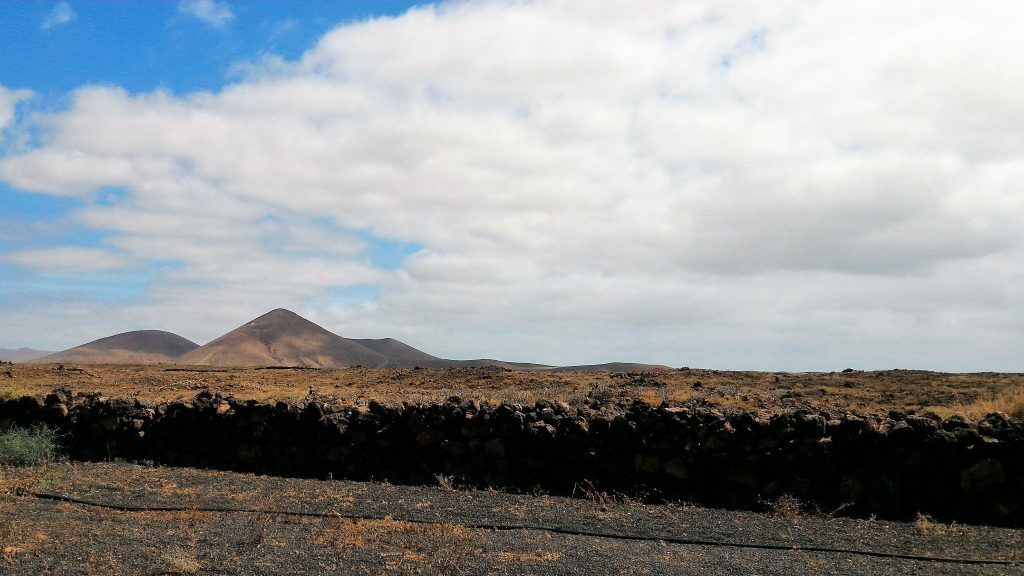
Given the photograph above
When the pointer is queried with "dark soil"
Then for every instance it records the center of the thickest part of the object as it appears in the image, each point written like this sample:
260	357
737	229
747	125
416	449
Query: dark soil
65	519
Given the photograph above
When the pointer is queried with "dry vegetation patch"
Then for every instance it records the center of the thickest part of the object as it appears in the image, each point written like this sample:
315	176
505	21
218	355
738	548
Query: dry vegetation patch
973	395
402	546
535	556
181	561
1009	400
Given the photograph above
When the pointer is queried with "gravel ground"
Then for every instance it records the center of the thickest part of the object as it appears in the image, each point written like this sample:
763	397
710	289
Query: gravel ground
126	519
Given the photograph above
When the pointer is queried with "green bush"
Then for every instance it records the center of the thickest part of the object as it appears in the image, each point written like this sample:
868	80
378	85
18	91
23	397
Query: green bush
28	446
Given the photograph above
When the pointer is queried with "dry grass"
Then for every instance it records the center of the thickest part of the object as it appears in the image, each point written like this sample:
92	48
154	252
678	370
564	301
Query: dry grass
1009	401
405	547
445	482
181	561
603	500
788	507
928	526
535	556
375	533
10	392
881	391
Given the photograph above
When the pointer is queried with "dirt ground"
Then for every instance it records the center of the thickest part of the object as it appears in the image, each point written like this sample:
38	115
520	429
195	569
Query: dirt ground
969	394
111	518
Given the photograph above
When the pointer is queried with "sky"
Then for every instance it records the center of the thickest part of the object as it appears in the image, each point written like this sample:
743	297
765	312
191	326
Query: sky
793	185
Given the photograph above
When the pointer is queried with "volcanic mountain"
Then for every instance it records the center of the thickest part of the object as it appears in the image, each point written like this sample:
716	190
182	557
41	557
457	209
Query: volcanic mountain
138	347
22	354
283	338
280	338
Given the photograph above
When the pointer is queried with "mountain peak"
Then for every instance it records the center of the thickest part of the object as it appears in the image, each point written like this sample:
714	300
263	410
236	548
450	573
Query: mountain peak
283	338
279	321
279	314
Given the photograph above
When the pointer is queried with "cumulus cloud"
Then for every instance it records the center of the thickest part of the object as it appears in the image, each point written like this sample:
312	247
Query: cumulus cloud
791	186
61	14
216	14
8	100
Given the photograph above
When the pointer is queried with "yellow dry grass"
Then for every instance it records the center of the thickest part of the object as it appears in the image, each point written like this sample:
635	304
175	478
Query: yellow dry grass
969	394
1009	401
374	533
535	556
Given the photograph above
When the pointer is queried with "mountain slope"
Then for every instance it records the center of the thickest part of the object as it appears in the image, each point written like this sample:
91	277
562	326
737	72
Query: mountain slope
401	355
283	338
136	347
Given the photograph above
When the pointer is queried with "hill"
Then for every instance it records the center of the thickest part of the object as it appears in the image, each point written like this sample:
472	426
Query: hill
22	354
401	355
612	367
136	347
283	338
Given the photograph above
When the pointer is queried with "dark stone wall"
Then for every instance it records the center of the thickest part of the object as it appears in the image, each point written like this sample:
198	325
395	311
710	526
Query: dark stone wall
890	466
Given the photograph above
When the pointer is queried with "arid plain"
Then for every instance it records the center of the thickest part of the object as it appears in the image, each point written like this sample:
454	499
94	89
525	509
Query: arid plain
972	395
281	356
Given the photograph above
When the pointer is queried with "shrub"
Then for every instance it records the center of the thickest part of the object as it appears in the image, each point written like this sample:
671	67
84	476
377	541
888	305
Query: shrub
28	446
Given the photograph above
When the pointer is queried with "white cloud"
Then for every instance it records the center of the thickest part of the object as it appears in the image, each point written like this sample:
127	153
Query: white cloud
805	185
69	259
8	100
61	14
216	14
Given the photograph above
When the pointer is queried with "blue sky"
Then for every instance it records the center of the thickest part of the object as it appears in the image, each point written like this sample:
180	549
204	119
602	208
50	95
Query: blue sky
748	185
140	47
147	46
144	46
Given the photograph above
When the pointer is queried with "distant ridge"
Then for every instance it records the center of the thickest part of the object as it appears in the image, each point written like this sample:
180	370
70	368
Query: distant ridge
400	355
283	338
22	354
611	367
137	347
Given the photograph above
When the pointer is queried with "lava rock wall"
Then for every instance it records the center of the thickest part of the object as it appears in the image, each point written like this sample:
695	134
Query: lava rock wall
892	466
